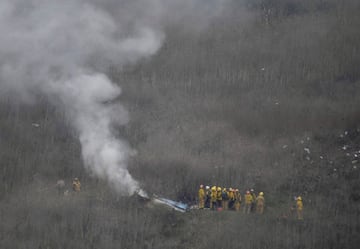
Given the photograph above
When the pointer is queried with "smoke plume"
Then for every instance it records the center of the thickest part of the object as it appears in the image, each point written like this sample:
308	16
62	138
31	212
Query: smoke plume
62	48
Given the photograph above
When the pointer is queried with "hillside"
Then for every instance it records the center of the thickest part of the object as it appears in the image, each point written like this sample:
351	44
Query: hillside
262	95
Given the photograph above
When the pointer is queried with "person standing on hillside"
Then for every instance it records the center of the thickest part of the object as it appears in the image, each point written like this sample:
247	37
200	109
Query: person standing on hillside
237	200
260	203
213	199
299	208
253	204
219	198
201	194
231	197
207	197
76	185
225	199
248	201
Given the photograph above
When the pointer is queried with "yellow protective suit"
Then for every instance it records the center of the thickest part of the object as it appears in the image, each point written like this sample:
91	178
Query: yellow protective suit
76	185
237	200
231	195
299	209
201	194
260	203
248	201
213	199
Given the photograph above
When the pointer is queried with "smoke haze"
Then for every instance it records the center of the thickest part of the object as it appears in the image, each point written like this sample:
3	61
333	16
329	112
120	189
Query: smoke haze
62	49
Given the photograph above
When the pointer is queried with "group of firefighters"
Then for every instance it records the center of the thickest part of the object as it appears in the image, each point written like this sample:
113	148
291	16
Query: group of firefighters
217	198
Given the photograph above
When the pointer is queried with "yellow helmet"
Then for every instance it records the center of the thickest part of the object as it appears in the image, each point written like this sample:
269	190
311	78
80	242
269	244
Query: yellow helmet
219	188
261	193
213	188
299	198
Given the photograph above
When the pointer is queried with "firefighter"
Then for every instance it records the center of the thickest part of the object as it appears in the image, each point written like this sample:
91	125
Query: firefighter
299	208
248	202
213	198
208	197
225	199
253	204
231	197
76	185
201	194
260	203
237	200
219	197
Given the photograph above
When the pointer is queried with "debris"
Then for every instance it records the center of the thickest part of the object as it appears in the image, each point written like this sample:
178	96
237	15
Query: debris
308	138
355	155
307	150
284	146
321	157
35	125
178	206
302	141
345	147
347	154
341	135
354	161
263	69
335	170
277	103
354	167
307	158
345	133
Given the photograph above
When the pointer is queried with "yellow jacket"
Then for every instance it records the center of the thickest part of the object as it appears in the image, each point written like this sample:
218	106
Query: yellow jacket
260	200
231	195
201	194
248	199
76	186
213	196
238	196
219	195
299	205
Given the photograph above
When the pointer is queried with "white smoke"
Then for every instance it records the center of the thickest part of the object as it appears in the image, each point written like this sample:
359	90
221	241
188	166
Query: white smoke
62	48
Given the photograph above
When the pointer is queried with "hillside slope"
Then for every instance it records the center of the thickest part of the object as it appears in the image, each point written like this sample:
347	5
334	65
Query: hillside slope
265	96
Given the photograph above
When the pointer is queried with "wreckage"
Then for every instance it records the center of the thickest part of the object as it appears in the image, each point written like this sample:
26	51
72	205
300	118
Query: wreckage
178	206
174	205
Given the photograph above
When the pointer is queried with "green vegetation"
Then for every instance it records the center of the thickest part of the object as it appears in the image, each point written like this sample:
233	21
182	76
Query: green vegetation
233	103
